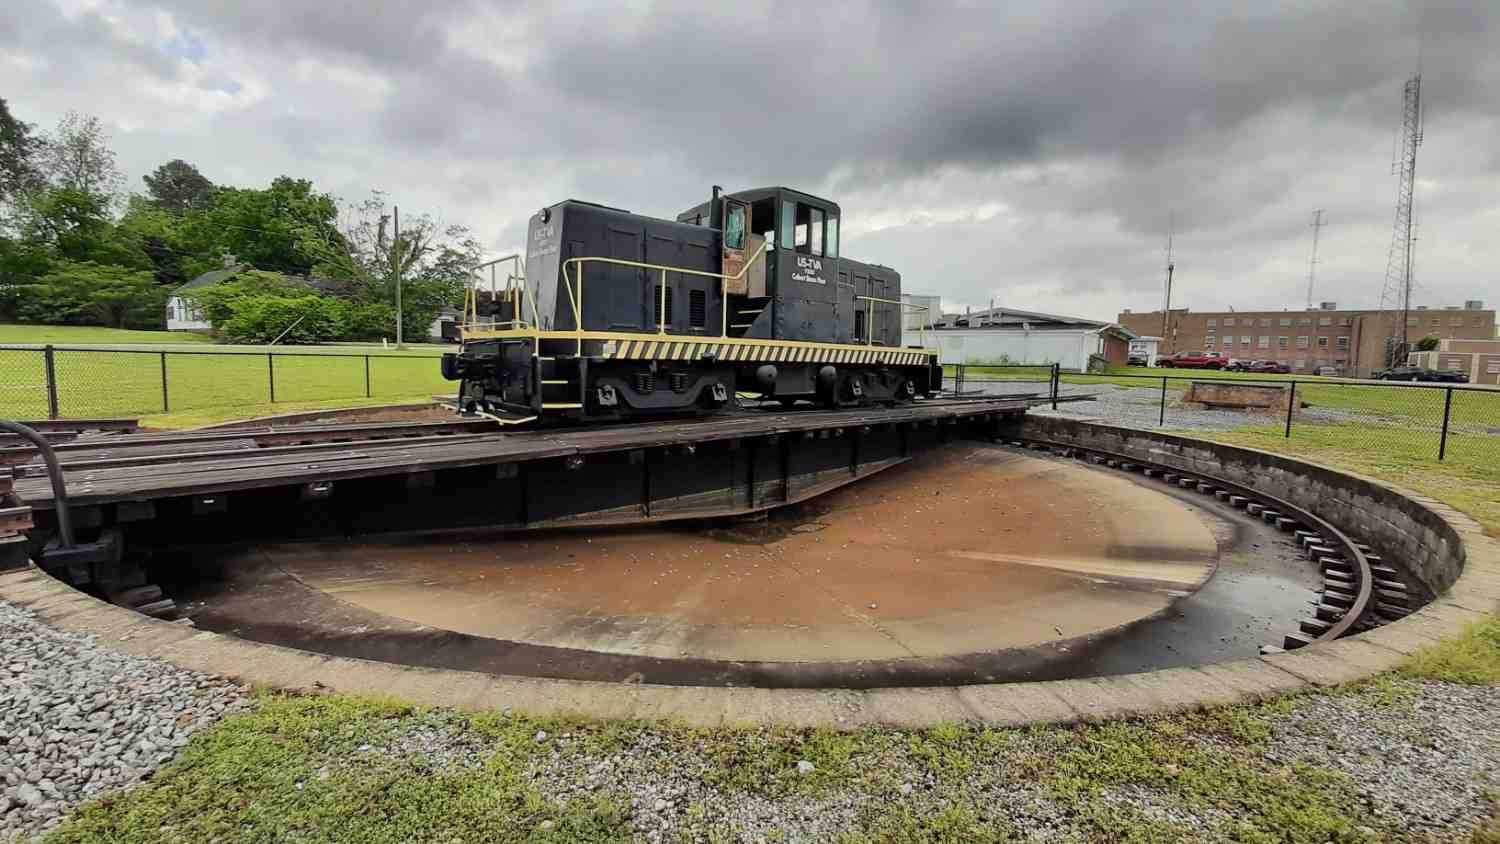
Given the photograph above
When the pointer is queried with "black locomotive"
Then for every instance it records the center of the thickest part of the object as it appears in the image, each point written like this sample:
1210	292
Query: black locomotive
622	315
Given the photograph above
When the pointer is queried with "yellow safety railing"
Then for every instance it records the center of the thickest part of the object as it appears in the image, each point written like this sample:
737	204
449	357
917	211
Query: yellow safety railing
870	318
575	302
515	292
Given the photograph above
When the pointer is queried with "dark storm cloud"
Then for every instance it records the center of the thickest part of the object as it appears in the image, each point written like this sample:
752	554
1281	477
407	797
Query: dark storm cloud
1085	120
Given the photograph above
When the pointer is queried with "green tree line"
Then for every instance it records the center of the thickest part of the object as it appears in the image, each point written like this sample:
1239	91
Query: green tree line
77	249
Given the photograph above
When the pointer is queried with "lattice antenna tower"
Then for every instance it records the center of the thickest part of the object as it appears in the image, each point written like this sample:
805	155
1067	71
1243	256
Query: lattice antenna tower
1312	263
1396	293
1166	308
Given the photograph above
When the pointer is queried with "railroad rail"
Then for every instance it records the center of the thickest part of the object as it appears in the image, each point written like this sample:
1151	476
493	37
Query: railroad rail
1359	590
152	466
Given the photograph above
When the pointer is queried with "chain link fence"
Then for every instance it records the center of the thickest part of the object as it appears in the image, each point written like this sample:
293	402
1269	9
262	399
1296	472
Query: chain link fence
63	382
1417	421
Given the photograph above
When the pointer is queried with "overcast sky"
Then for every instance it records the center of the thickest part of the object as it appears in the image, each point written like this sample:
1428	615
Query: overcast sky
1029	152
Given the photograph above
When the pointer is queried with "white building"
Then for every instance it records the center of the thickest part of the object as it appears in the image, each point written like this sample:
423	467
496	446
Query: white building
1006	336
185	315
1146	348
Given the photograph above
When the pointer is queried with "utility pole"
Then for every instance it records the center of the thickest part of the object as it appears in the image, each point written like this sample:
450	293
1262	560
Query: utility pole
396	268
1312	263
1166	310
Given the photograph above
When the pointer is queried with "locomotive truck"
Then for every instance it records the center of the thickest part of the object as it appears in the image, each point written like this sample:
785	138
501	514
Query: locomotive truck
620	315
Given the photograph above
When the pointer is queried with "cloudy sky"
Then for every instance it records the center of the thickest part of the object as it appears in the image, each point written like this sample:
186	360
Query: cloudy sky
1029	152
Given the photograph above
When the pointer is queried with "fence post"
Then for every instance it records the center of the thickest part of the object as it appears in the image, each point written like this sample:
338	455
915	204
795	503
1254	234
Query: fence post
51	365
1443	438
1056	381
271	370
165	405
1163	420
367	376
1291	402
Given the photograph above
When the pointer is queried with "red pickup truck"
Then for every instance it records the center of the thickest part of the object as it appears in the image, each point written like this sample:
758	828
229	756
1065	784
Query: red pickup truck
1193	360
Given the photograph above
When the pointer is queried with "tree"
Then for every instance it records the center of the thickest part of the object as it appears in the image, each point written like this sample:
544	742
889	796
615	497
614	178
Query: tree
269	229
77	156
1428	343
434	261
81	292
19	174
75	225
178	186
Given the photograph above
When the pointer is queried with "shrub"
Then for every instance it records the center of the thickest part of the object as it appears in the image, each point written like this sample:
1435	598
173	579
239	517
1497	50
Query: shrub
262	319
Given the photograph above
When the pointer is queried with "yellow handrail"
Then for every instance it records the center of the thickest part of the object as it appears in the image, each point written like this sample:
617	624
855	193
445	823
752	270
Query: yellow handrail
574	286
870	318
664	269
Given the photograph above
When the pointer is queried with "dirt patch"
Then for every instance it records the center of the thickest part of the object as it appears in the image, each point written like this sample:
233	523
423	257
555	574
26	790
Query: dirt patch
974	549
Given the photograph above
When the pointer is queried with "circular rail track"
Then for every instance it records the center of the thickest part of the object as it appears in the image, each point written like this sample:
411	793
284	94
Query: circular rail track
1359	591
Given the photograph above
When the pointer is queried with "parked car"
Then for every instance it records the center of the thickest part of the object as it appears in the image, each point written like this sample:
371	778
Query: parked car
1193	360
1421	373
1327	370
1270	366
1136	360
1237	365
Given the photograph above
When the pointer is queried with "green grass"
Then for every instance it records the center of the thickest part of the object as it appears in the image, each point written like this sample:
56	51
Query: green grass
89	335
125	383
1468	478
1472	659
294	769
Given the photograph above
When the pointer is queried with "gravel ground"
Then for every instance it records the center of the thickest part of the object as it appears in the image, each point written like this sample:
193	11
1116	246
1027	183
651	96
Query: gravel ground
78	720
1421	758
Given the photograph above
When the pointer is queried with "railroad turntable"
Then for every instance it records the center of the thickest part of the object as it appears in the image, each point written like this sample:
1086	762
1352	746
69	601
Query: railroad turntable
936	571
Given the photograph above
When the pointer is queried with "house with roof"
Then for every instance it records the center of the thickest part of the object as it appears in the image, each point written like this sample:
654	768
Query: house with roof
183	314
1008	335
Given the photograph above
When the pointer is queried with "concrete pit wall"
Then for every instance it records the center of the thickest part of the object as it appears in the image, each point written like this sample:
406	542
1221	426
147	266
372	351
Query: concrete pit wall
1398	528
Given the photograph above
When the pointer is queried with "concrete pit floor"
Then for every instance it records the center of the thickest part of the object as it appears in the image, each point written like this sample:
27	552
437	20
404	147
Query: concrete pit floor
978	563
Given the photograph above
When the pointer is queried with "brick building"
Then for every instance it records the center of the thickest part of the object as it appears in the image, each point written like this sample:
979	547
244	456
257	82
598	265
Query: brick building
1351	341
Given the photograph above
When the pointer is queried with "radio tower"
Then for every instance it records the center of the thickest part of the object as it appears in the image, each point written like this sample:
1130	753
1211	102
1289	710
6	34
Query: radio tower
1312	263
1398	268
1166	308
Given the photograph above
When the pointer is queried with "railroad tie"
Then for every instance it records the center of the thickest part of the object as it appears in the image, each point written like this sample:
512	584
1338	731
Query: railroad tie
1297	640
1315	626
1254	509
1328	612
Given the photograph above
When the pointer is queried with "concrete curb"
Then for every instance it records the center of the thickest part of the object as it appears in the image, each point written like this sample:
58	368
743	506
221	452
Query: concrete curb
1475	593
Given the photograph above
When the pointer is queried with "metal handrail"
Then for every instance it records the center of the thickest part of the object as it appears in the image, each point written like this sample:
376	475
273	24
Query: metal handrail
577	302
870	318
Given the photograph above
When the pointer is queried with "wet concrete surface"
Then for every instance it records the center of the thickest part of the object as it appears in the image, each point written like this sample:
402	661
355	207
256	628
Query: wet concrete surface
979	564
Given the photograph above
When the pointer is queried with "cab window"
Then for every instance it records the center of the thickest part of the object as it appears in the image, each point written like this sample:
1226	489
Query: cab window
734	227
807	233
831	240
